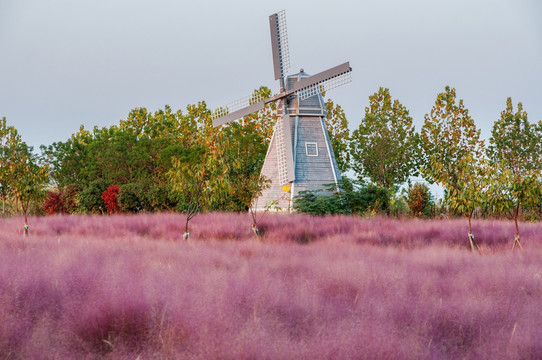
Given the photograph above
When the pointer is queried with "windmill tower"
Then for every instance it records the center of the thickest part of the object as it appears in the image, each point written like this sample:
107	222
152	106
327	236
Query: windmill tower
300	156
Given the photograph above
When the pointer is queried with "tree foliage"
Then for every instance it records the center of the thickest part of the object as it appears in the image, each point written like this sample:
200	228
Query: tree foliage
111	199
90	198
143	150
383	147
339	134
10	143
192	184
515	155
449	141
419	200
175	160
354	198
453	154
53	204
30	179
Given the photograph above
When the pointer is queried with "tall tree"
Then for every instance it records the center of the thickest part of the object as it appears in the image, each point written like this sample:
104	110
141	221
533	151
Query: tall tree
515	153
10	141
384	146
339	134
242	149
471	191
448	138
452	153
198	185
197	182
30	179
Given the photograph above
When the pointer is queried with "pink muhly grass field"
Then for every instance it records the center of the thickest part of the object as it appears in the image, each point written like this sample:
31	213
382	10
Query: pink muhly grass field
313	288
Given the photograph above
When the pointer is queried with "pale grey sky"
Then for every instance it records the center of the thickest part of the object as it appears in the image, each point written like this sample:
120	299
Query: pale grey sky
64	63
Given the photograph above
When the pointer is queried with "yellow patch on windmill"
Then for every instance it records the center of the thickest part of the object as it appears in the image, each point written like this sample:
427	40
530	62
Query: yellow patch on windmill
286	188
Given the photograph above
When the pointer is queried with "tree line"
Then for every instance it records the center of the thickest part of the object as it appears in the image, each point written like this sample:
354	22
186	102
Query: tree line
176	161
499	179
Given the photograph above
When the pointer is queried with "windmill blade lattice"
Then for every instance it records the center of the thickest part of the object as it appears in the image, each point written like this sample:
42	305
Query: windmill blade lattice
237	105
324	86
279	44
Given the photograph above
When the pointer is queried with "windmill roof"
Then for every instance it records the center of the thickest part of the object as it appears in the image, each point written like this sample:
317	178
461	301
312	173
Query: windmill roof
301	73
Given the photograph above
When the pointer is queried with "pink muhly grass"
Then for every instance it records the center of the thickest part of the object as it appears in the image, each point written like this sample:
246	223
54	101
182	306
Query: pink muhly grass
126	287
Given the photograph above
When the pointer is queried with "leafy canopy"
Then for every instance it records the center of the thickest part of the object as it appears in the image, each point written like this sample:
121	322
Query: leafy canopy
515	155
384	146
449	141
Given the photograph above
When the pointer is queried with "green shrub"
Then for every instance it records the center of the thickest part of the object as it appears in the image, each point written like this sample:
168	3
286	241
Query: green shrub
354	198
311	202
129	198
90	198
159	197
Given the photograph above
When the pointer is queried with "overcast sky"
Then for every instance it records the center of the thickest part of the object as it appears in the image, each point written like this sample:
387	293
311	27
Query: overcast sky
66	63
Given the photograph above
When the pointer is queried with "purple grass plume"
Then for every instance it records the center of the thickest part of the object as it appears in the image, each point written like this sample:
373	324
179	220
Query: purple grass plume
127	287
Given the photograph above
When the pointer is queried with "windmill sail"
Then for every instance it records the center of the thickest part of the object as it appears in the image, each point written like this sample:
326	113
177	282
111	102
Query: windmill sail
279	44
324	81
236	114
305	88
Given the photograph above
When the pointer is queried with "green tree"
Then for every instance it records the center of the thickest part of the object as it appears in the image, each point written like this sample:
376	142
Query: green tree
10	141
339	134
471	192
515	155
264	120
90	198
143	149
70	162
449	140
242	149
197	185
383	147
129	198
29	179
193	181
452	154
137	151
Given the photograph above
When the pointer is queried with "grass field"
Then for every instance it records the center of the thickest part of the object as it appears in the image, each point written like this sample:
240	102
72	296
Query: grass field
127	287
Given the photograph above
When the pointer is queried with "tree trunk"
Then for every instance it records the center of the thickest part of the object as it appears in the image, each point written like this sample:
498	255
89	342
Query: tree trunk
473	244
25	208
516	237
186	235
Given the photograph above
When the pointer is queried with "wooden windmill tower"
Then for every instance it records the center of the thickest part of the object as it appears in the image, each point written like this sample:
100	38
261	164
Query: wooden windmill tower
300	156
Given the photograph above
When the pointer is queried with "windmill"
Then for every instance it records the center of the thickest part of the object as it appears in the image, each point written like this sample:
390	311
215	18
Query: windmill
300	156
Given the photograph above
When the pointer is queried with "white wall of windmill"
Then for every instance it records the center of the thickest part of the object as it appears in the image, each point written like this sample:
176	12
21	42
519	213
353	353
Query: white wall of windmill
276	193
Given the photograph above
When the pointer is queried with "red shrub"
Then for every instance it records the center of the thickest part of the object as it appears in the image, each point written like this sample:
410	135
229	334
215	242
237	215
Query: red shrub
111	198
53	204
